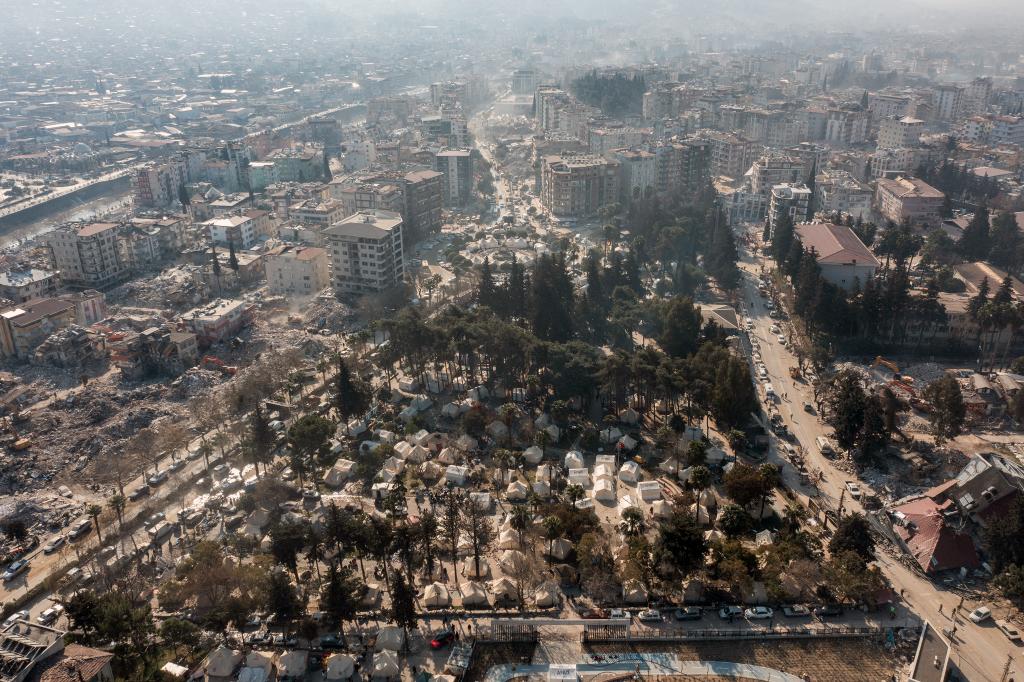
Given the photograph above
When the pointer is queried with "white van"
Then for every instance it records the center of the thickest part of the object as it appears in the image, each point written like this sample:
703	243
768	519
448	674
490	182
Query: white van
824	446
160	531
769	392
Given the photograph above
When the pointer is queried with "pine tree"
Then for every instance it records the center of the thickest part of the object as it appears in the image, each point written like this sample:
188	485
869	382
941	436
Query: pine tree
974	243
216	262
487	292
232	258
183	196
975	305
782	237
327	167
864	101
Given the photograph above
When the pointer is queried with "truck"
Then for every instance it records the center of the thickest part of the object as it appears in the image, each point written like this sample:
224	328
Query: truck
160	531
824	446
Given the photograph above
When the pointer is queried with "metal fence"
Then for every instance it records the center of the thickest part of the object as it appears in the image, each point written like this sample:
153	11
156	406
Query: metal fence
601	635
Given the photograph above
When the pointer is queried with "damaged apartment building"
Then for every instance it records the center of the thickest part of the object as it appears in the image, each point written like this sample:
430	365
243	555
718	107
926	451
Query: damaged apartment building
153	351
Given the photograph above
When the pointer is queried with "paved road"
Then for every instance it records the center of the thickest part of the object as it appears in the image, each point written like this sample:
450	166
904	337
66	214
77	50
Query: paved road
980	650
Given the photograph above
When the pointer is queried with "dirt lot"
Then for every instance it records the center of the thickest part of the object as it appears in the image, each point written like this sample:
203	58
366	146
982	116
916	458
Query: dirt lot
834	660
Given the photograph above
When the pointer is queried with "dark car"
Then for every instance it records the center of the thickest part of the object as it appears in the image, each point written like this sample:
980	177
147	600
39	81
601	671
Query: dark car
828	611
689	613
138	493
442	638
796	611
332	640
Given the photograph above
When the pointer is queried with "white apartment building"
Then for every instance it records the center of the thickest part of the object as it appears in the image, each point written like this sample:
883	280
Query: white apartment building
895	133
239	230
788	199
838	191
297	270
87	255
20	285
366	252
947	101
638	171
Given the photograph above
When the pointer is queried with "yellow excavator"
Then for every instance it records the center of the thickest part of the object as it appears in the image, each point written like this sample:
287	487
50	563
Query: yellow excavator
879	360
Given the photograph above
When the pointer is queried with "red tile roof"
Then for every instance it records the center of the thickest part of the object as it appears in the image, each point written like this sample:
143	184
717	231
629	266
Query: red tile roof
935	546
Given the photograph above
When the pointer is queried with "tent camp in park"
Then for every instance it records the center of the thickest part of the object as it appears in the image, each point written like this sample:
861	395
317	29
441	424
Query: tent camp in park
629	416
533	454
634	593
610	435
580	477
511	560
293	665
560	549
517	491
604	490
391	638
509	539
456	475
541	487
649	490
546	596
573	460
436	596
630	472
339	667
385	664
476	570
604	471
504	589
222	662
473	594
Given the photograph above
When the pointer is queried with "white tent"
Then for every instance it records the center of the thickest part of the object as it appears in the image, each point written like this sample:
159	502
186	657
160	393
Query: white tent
466	442
628	442
541	487
604	471
546	472
339	667
560	548
338	473
408	414
292	665
629	416
479	394
473	594
546	596
385	436
701	514
533	454
604	490
610	435
436	595
482	499
542	421
669	466
625	502
634	593
408	384
585	503
430	471
504	589
421	402
553	431
662	509
471	569
715	455
508	539
390	637
447	456
573	460
605	459
355	428
580	477
649	490
394	465
511	560
517	490
456	475
418	454
385	664
630	472
403	448
764	538
451	410
372	595
497	430
419	437
222	662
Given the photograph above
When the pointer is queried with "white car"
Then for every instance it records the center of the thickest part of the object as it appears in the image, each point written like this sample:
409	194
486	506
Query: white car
15	617
1012	633
50	615
758	613
54	544
854	489
774	329
782	339
980	614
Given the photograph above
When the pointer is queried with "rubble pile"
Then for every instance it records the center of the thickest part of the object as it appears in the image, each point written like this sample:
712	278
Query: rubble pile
328	314
924	373
196	381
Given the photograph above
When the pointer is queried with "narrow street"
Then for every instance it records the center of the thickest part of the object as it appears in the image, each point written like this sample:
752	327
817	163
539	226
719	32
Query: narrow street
980	651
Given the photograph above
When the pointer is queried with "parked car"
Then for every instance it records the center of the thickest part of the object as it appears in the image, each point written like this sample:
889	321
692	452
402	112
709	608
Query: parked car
649	616
594	613
758	613
138	493
157	478
782	339
14	570
14	617
808	408
54	544
727	612
50	615
618	613
828	611
689	613
1011	632
980	614
854	489
154	519
176	465
442	638
80	528
332	640
796	611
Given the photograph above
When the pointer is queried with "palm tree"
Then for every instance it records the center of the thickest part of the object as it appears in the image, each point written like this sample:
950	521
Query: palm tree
700	479
117	504
633	523
520	521
94	510
769	475
552	530
574	492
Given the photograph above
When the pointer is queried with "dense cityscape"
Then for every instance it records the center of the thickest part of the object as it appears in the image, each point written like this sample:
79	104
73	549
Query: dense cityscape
568	341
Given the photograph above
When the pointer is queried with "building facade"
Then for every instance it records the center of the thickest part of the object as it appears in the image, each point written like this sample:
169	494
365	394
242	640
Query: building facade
904	198
366	252
87	255
577	185
297	270
456	165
